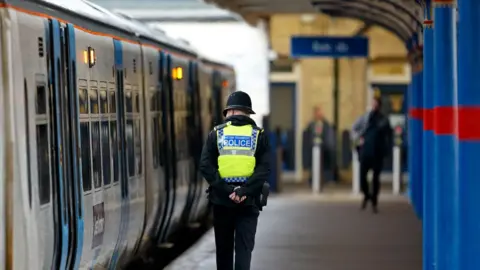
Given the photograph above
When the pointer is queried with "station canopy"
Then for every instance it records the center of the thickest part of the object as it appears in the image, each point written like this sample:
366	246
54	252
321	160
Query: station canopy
404	18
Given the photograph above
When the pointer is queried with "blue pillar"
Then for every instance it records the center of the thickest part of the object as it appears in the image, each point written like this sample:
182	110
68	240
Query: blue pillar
411	138
418	121
444	85
468	135
429	236
414	130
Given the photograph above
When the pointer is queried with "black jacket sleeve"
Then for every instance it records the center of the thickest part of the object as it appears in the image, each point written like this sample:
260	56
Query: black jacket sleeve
253	186
209	165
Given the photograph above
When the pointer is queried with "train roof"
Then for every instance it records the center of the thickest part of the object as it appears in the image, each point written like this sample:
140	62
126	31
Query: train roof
121	22
157	34
124	23
214	62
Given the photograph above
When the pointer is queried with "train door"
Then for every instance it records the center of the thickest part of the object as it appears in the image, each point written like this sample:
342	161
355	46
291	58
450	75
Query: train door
3	195
57	118
168	145
160	134
217	98
66	176
73	183
120	149
194	139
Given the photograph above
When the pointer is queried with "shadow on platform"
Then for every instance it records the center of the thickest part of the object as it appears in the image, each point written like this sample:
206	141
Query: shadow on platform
328	232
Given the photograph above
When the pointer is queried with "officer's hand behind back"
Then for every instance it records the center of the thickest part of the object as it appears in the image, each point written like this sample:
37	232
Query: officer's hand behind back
237	199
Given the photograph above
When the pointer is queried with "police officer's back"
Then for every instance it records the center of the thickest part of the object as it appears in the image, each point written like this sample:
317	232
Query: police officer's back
235	162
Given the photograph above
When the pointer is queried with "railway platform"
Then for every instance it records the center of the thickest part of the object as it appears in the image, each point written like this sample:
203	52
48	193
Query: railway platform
305	232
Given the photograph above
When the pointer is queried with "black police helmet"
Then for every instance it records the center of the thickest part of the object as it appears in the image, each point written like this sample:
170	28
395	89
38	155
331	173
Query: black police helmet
239	100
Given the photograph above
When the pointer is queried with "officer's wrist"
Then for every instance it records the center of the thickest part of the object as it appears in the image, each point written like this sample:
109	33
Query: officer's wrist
240	192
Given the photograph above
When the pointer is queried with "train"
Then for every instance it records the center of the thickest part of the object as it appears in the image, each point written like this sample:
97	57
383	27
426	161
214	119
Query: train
102	124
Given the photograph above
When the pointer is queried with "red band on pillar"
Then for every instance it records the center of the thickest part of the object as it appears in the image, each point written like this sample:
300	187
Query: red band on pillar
468	123
443	1
444	120
416	113
428	123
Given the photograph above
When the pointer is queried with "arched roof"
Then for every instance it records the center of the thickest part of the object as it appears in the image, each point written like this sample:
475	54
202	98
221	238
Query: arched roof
404	18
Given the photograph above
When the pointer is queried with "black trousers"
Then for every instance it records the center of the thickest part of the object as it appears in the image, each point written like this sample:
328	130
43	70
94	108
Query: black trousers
366	165
235	229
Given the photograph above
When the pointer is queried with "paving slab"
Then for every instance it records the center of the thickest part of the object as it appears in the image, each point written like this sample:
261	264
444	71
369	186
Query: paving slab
328	232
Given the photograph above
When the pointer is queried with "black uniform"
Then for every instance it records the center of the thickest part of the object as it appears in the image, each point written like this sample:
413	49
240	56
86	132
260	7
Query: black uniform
235	224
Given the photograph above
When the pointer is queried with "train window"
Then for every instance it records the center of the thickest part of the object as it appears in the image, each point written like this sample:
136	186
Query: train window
175	100
106	153
43	164
113	103
85	152
138	147
155	142
182	100
130	148
103	102
27	137
113	139
210	106
136	100
41	100
153	102
93	101
178	120
82	96
96	155
158	100
128	101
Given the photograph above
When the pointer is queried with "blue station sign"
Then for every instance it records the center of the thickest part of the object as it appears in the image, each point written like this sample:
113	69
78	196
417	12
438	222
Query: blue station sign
316	46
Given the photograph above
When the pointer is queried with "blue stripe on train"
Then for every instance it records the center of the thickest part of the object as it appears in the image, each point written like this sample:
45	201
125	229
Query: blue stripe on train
63	219
77	170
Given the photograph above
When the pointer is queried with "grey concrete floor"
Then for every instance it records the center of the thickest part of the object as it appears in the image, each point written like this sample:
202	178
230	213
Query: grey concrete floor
328	232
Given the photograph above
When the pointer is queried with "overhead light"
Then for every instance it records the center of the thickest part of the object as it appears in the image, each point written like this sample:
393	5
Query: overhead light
307	18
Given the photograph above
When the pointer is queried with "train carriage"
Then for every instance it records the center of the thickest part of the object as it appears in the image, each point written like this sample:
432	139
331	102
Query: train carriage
108	118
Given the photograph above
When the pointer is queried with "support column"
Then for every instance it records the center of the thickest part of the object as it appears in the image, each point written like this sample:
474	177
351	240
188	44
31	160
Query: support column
468	134
412	175
419	127
414	132
444	125
429	231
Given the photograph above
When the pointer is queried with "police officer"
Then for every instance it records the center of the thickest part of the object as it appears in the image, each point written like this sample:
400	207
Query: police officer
235	162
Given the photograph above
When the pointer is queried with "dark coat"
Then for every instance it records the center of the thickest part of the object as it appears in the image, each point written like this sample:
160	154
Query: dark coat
377	138
219	190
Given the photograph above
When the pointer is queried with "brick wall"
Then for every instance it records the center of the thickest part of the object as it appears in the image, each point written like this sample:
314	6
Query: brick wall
316	85
317	74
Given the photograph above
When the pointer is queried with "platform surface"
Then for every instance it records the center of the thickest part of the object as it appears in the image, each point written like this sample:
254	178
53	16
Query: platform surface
305	232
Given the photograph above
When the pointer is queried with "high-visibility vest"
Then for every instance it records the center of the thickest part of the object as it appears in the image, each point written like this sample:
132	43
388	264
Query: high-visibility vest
236	147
